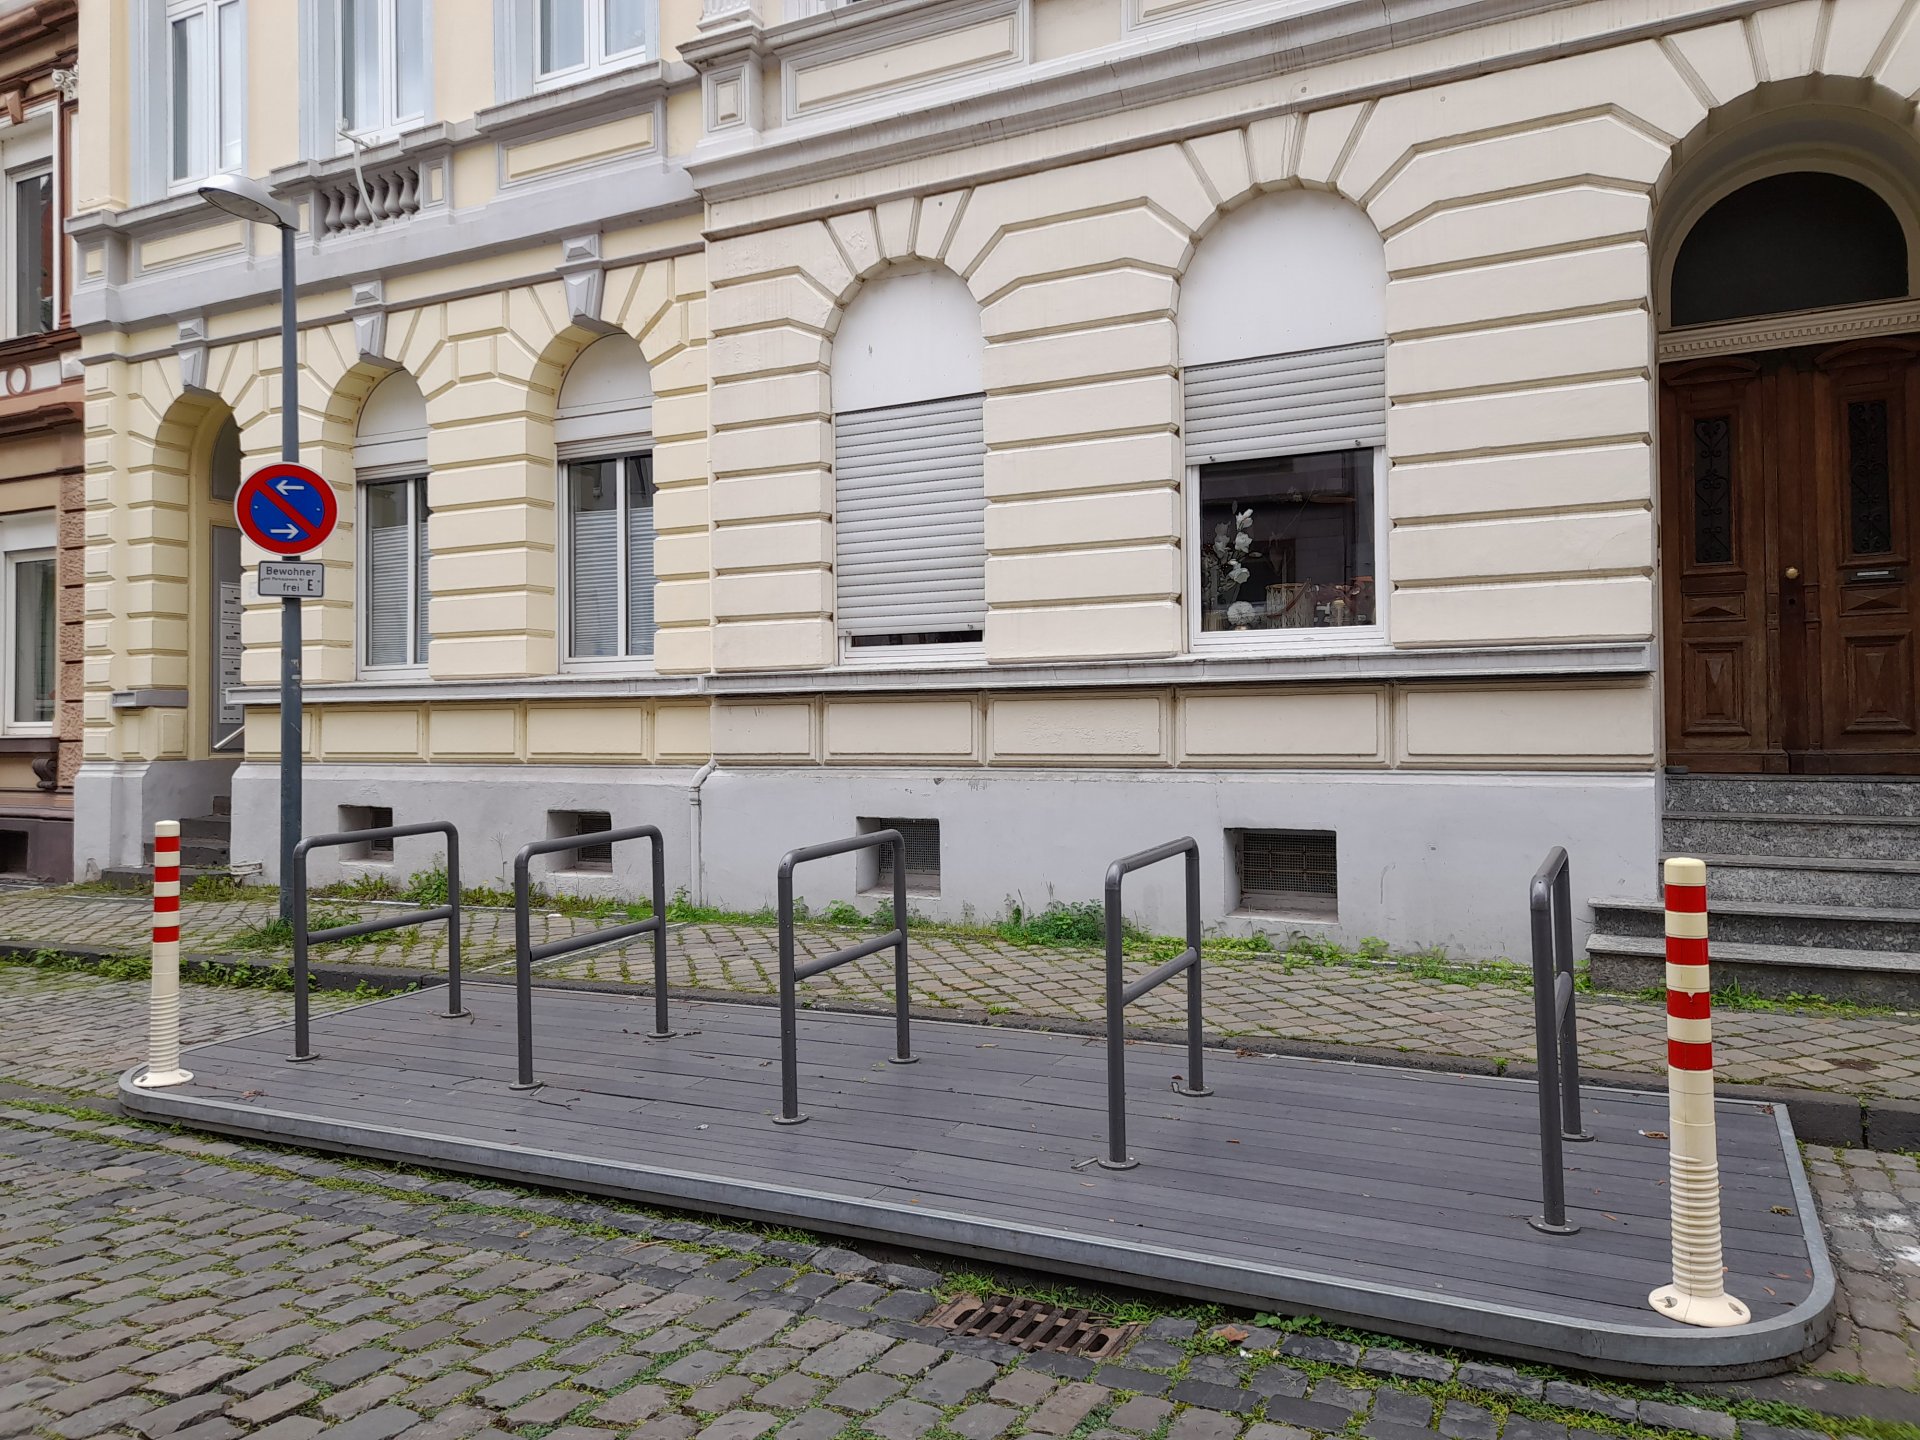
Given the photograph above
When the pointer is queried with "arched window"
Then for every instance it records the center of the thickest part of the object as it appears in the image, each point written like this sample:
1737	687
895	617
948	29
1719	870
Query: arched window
390	464
1806	240
910	499
603	436
1283	356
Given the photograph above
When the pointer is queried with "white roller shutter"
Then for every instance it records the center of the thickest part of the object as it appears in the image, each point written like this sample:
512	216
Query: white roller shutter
1287	404
595	583
388	601
640	556
910	518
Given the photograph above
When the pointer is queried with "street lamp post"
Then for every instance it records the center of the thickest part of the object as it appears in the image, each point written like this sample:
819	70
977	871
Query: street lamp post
250	200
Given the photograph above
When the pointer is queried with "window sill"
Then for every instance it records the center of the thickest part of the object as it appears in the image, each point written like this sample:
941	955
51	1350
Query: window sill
1330	639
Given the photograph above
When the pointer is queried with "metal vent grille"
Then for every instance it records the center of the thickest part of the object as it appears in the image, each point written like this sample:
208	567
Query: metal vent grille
923	853
1293	870
1035	1325
597	858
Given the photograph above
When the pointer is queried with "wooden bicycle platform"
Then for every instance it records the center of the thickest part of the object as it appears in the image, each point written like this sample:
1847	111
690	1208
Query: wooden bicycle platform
1392	1200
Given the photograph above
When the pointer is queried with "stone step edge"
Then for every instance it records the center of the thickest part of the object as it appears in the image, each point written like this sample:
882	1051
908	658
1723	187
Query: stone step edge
1808	957
1839	864
1774	817
1767	910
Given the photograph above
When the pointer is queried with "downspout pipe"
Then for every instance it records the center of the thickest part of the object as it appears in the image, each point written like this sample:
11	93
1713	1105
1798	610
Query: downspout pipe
697	885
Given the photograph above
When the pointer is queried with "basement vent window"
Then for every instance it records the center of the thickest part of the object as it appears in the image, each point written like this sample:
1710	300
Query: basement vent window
369	817
13	852
923	856
588	859
1293	872
1036	1326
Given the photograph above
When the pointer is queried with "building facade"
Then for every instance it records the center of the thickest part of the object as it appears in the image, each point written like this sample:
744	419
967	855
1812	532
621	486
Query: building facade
41	497
1051	426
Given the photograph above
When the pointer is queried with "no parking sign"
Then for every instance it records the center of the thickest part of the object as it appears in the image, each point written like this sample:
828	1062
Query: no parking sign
286	509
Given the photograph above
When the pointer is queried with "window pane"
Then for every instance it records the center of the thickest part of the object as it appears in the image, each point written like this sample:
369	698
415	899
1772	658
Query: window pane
1287	544
33	254
233	85
409	59
640	555
422	588
388	605
626	22
360	64
593	580
563	35
33	642
189	106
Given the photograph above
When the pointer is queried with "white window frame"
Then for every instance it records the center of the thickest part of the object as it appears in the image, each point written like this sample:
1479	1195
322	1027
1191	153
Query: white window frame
1343	638
389	122
623	663
416	480
25	537
598	61
26	150
206	95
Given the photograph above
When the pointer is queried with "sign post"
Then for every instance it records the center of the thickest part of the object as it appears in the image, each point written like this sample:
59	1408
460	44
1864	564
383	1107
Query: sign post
288	510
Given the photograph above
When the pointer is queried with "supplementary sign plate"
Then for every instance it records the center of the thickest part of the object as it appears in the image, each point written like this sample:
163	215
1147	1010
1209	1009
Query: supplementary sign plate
286	508
292	579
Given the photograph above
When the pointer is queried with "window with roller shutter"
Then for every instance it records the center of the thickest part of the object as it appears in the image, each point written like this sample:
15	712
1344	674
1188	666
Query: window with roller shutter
601	434
390	462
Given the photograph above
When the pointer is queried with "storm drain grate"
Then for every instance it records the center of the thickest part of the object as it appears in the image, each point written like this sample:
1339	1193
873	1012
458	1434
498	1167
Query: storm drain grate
1036	1325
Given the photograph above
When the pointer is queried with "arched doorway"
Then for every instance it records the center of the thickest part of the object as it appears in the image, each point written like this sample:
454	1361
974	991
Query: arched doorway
1790	470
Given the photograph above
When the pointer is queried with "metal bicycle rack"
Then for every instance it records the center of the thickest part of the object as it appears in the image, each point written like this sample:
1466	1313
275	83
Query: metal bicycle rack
1556	1032
790	974
1120	994
449	912
525	952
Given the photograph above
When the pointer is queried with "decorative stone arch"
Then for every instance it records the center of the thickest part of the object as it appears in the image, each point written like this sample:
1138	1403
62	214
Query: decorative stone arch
1849	128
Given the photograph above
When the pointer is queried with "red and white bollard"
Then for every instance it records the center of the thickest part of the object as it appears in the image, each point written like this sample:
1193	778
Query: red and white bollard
1698	1294
163	1043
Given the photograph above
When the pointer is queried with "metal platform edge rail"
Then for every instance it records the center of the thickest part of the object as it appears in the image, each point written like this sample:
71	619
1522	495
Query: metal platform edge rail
525	952
791	974
1120	994
302	937
1556	1032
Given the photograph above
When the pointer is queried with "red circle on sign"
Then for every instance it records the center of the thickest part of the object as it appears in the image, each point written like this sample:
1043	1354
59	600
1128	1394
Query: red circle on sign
270	504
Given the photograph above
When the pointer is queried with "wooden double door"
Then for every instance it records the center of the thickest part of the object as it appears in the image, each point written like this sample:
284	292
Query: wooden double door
1790	495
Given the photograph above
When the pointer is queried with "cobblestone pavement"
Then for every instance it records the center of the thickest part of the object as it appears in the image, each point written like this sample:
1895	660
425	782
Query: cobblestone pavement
1377	1005
158	1285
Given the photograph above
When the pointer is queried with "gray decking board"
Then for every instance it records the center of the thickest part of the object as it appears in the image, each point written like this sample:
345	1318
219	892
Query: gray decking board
1394	1200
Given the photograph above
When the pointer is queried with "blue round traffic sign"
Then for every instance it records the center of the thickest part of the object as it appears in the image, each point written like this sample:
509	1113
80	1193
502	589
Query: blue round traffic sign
286	508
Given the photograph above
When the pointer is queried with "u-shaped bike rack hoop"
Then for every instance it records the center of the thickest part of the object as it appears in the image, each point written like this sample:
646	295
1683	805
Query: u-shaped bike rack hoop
1120	994
790	974
449	912
525	952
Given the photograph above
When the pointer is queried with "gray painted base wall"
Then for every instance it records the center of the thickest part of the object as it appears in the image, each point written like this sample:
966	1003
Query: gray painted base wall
1424	859
117	803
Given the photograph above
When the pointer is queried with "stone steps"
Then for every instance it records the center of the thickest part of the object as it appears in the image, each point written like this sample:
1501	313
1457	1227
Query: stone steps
1813	885
1840	928
1814	880
1852	837
1868	977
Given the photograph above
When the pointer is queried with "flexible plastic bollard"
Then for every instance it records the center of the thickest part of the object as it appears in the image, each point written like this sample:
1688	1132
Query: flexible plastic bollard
1698	1293
163	1043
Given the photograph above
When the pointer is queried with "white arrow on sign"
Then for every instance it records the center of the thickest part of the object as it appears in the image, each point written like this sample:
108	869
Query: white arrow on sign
286	532
285	487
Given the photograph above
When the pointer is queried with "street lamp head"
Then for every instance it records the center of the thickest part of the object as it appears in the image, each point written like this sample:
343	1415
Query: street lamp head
246	197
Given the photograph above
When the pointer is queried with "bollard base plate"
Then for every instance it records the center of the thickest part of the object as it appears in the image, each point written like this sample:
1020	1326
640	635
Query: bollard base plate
790	1119
155	1079
455	1014
531	1085
303	1059
1576	1137
1189	1090
1710	1311
903	1060
1546	1227
1127	1164
661	1034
